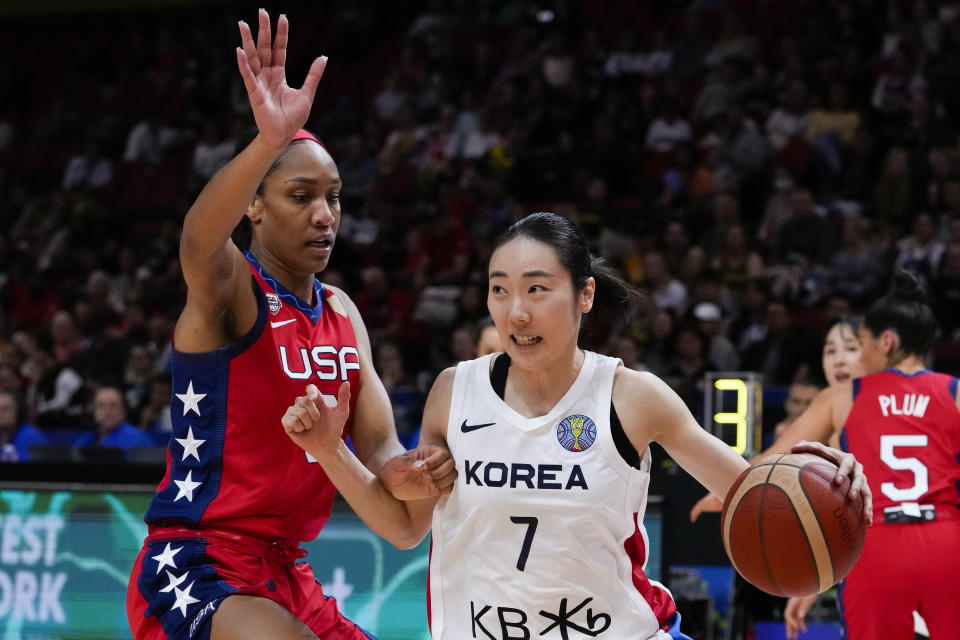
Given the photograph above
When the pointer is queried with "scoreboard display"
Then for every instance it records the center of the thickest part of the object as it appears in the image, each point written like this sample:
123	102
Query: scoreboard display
733	409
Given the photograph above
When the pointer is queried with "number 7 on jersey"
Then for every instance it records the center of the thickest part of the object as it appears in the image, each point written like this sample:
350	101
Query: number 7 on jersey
531	523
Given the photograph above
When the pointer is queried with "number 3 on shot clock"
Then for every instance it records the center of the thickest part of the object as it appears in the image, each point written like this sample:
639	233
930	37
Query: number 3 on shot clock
733	409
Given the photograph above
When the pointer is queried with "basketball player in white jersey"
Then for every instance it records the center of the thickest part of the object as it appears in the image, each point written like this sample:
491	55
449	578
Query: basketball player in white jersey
542	535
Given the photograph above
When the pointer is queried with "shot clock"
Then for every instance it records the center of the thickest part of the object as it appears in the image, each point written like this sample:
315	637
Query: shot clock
733	409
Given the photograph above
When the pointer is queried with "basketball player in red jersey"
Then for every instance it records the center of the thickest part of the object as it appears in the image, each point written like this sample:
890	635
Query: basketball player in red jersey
238	496
902	422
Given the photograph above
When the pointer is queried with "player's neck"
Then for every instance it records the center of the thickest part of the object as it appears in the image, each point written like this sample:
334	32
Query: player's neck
909	365
537	391
301	285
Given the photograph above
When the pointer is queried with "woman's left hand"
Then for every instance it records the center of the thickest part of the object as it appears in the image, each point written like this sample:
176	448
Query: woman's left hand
847	466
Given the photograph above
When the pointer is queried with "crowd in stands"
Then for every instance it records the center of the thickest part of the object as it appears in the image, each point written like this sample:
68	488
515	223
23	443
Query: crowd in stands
756	167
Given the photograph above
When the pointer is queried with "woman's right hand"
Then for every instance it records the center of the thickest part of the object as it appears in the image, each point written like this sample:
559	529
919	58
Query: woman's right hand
278	109
707	503
795	612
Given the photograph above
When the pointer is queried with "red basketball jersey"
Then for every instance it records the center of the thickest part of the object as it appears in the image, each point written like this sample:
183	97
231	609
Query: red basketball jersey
905	430
229	463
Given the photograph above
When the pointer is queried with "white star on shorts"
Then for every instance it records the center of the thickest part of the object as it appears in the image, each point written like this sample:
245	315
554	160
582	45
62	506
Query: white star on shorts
183	599
166	557
174	582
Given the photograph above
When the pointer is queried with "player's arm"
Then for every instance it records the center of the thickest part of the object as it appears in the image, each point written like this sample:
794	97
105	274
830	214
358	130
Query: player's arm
653	412
815	424
220	301
381	461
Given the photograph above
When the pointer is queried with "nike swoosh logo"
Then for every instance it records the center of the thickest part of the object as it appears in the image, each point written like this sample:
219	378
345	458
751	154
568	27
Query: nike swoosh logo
467	428
282	322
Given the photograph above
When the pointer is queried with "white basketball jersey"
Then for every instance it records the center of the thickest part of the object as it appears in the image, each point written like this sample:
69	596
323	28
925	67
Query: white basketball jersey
542	536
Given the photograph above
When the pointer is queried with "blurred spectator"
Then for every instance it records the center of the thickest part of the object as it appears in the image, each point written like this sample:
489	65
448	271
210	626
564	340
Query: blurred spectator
684	372
857	268
799	396
625	348
806	232
665	291
488	340
155	418
215	147
137	378
921	251
111	428
88	169
668	129
786	351
405	398
384	308
16	435
789	121
721	354
946	292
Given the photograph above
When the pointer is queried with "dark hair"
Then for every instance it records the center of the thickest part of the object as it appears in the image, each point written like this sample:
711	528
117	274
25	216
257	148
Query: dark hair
615	300
904	310
850	320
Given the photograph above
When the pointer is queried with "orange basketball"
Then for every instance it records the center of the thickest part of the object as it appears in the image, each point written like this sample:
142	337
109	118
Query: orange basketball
788	528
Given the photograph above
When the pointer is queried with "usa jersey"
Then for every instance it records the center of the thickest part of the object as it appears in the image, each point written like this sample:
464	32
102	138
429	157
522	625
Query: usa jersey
905	430
542	535
230	465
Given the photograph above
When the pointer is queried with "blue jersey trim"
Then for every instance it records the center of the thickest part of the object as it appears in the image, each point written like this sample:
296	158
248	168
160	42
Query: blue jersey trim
953	388
907	375
856	388
311	311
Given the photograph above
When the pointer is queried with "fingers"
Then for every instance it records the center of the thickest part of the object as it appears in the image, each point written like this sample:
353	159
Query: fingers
249	49
249	81
280	42
264	53
313	76
867	502
295	420
707	503
343	396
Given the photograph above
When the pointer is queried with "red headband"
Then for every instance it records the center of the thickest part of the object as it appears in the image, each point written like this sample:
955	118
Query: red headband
303	134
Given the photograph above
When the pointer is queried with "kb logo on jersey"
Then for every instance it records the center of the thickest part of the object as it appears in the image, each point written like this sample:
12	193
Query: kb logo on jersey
576	433
508	620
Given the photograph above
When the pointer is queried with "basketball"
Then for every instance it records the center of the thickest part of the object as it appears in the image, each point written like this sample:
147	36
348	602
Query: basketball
788	528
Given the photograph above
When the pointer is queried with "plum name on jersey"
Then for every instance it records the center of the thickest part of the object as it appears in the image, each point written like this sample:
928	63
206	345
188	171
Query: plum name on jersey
911	405
325	361
521	474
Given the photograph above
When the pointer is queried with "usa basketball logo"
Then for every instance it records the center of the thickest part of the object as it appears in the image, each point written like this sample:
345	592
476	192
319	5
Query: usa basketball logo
273	301
576	433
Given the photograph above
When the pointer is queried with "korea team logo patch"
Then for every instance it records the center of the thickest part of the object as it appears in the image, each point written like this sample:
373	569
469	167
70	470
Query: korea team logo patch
576	433
273	301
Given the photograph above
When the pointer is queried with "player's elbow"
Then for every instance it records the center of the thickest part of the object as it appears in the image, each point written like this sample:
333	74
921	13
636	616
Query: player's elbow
406	539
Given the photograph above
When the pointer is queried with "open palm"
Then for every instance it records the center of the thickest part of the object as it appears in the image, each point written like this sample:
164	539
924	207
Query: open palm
278	109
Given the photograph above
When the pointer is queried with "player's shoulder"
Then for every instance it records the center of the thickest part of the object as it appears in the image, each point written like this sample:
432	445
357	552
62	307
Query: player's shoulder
640	384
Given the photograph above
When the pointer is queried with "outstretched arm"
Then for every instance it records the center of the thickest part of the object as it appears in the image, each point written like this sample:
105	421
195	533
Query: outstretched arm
214	269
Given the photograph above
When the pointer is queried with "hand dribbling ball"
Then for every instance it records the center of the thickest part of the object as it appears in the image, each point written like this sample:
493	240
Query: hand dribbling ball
788	528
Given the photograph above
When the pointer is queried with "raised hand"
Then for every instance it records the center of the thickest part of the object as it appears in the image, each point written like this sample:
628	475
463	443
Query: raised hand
424	472
315	426
278	109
